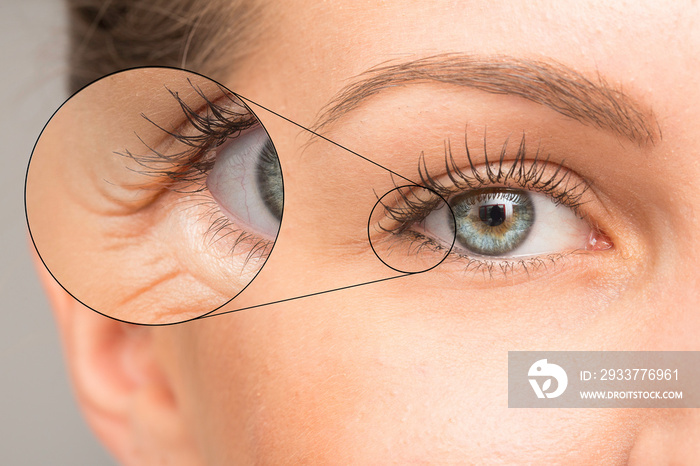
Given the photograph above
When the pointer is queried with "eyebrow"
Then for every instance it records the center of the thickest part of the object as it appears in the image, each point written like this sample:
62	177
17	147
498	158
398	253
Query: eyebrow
548	83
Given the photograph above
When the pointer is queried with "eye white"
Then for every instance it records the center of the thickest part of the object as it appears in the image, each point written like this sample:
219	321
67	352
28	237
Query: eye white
556	229
234	183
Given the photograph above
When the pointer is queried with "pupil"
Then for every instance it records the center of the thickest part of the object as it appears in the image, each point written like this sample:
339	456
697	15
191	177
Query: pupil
493	215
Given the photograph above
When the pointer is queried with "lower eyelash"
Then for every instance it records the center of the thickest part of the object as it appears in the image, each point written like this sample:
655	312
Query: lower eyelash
510	267
487	266
221	229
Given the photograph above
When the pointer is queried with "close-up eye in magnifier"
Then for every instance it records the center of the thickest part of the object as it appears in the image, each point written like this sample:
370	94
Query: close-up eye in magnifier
369	233
186	186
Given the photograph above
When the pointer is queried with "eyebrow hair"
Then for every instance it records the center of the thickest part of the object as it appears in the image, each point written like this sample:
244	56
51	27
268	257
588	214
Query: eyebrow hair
547	83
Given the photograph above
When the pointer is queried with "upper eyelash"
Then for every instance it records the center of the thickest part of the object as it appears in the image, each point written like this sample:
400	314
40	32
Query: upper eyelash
212	125
526	174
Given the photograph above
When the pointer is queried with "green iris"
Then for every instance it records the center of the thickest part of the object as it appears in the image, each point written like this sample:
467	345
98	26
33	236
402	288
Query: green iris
269	175
493	221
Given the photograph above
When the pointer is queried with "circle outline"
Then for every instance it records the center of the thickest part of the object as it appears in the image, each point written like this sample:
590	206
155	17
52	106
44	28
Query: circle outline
26	178
454	229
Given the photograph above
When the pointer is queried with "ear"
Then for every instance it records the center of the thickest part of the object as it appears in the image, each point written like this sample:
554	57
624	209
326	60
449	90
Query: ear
121	386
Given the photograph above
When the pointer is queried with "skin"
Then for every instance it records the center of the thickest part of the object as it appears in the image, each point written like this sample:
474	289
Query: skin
414	370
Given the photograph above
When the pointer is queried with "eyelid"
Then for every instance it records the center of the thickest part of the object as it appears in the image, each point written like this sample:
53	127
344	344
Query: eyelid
519	171
538	174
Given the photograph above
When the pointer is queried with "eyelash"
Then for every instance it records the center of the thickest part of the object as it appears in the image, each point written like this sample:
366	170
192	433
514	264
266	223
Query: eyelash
213	125
525	173
185	172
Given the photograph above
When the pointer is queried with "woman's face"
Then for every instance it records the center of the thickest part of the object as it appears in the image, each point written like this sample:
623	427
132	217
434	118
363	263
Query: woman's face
414	369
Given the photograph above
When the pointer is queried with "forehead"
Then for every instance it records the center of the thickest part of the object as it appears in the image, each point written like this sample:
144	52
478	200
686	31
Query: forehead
650	49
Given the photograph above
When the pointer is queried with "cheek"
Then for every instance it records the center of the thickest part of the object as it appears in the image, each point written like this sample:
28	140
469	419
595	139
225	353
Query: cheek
331	380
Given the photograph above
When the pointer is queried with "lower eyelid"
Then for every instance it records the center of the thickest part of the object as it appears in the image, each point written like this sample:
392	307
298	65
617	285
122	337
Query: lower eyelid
493	271
217	234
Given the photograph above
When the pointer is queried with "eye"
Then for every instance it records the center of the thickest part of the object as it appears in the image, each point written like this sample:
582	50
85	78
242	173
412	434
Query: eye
513	215
506	223
246	183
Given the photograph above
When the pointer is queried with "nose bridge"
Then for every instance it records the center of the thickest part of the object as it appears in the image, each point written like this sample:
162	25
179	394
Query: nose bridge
683	273
672	309
676	243
685	222
671	436
666	291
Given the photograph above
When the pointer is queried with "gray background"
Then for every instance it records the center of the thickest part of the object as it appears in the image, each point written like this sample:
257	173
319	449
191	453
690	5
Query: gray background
39	420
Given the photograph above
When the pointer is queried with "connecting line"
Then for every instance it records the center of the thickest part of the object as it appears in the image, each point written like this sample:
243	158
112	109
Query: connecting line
326	139
306	295
335	289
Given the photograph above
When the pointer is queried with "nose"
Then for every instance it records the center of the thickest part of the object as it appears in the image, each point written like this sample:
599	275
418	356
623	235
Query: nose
671	438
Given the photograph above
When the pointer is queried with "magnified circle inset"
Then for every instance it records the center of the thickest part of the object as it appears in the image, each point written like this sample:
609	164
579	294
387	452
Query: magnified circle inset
154	195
